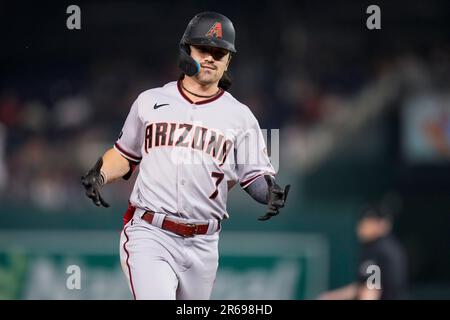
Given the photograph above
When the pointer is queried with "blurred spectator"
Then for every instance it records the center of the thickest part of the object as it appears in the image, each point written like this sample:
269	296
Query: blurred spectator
72	111
10	108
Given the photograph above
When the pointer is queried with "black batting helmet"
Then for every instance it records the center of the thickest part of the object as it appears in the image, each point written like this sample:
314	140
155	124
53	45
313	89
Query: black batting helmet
209	29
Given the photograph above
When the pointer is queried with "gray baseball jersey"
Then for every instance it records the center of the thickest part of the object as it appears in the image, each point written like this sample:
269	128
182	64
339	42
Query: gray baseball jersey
191	154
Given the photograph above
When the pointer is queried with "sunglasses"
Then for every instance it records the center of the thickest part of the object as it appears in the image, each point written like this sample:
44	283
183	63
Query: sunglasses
216	53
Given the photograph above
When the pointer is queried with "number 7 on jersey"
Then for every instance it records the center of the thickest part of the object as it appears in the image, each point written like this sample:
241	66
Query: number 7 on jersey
219	177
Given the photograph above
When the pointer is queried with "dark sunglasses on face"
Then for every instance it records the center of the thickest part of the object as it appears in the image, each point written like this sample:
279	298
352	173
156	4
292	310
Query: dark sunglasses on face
216	53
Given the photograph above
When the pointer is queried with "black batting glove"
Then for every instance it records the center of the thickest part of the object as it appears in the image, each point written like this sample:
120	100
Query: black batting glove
277	198
93	181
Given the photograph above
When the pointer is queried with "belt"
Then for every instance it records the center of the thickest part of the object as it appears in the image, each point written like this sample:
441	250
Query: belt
186	230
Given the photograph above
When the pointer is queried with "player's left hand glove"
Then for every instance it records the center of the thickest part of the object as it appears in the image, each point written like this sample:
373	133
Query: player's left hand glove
93	182
277	198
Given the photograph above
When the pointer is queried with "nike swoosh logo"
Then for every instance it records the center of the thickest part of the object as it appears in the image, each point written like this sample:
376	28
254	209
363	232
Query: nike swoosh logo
156	106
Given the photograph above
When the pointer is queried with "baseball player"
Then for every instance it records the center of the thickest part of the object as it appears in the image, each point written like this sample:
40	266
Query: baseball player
193	142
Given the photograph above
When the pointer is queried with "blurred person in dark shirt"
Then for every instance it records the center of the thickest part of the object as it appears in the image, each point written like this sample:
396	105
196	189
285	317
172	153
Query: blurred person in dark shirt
381	253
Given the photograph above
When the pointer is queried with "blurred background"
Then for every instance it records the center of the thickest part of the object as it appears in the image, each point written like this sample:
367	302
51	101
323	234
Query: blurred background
364	116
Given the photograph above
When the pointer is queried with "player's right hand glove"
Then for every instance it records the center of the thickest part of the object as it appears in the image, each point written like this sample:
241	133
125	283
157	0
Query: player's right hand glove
93	181
277	198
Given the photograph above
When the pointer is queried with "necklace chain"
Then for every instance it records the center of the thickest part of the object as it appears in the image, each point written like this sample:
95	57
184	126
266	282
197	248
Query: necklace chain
198	95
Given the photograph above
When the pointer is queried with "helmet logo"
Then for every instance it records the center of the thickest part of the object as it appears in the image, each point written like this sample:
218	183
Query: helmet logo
215	31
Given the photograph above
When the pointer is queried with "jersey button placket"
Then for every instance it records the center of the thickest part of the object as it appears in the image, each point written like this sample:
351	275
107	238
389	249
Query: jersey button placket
181	167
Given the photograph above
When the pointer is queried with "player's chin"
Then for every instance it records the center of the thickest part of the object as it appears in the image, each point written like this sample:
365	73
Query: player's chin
207	78
207	73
